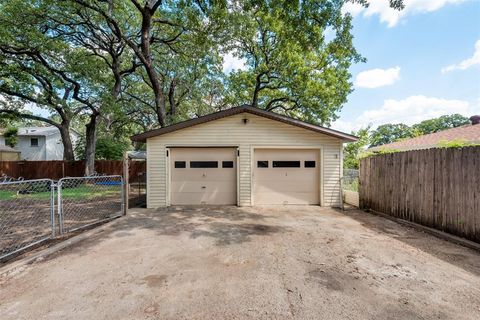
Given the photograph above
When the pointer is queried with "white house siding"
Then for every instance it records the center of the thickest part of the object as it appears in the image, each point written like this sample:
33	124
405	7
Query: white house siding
231	131
54	147
31	153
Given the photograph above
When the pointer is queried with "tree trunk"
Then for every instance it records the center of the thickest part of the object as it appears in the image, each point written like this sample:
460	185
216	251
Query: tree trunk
67	142
171	97
117	84
256	90
90	144
161	110
146	54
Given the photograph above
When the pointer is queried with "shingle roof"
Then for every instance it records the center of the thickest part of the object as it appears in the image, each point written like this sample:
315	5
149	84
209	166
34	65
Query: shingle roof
8	149
37	131
236	110
467	133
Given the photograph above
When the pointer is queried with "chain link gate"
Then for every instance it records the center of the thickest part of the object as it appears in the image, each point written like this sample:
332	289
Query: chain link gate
27	214
84	201
34	211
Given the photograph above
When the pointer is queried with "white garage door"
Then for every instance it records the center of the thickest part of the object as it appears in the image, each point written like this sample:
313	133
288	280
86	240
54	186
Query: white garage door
203	176
286	176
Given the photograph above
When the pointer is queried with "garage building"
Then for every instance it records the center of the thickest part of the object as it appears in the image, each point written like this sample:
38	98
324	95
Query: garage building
243	156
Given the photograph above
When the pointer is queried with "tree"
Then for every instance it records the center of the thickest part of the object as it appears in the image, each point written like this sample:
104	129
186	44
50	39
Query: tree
389	133
110	149
172	42
352	150
28	76
60	59
11	136
107	148
293	67
439	124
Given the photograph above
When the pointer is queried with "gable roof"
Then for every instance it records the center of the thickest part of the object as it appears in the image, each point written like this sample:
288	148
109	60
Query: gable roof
247	109
8	149
467	133
34	131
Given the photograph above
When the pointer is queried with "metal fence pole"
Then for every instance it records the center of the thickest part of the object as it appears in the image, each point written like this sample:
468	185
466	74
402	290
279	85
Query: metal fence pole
59	206
124	201
52	207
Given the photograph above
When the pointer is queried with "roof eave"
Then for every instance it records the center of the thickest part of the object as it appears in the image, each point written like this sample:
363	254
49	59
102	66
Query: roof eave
345	137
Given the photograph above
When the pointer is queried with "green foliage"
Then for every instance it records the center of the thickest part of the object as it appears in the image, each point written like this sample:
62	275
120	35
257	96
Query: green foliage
439	124
292	68
351	185
81	59
107	148
352	150
110	149
11	136
367	154
389	133
456	143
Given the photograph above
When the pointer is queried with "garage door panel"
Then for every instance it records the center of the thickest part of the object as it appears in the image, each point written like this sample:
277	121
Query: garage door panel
286	154
300	198
210	175
279	188
286	175
203	154
192	198
203	186
286	185
211	184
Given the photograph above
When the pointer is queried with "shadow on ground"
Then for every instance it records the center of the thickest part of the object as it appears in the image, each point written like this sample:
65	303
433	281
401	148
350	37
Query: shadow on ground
462	257
225	225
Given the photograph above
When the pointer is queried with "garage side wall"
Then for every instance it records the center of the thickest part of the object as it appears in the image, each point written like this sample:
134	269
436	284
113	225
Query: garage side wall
232	131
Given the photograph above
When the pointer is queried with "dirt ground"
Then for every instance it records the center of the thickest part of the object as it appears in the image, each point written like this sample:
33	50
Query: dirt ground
249	263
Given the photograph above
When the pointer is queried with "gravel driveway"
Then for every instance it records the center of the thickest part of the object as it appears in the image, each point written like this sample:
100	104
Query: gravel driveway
250	263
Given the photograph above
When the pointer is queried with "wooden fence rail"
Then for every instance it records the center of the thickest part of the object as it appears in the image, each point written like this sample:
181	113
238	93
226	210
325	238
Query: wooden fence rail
438	188
59	169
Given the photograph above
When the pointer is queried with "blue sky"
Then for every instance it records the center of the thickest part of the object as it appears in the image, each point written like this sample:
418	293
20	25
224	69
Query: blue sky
422	63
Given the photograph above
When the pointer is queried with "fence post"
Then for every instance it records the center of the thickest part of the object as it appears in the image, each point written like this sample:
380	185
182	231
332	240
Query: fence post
126	187
59	206
52	206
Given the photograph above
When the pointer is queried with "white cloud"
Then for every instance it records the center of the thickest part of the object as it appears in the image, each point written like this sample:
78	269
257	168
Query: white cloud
230	63
376	78
467	63
392	16
409	111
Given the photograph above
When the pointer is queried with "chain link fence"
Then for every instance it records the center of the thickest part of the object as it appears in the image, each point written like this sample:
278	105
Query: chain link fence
83	201
350	185
26	214
350	179
33	211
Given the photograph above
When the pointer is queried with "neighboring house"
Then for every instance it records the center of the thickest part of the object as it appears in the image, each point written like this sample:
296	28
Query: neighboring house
39	143
469	134
9	154
243	156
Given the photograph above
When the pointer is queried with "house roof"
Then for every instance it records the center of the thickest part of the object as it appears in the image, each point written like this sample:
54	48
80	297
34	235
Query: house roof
247	109
8	149
468	133
137	155
37	131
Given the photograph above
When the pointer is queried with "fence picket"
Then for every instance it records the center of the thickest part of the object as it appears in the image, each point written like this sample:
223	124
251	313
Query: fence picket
439	188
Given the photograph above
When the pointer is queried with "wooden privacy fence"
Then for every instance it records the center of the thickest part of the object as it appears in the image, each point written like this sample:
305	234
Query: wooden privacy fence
438	188
59	169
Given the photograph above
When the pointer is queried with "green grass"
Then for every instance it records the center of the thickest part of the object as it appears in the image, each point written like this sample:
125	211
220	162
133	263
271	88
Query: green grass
83	192
351	185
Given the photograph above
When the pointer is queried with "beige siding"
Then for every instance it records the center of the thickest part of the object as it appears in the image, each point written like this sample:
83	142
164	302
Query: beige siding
231	131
